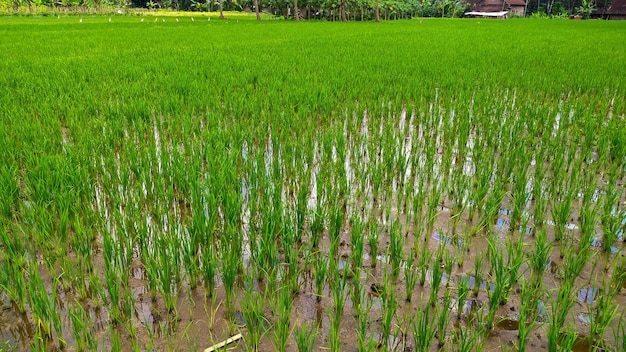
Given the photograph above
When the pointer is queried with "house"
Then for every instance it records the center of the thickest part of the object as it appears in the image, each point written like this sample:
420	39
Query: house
617	11
495	8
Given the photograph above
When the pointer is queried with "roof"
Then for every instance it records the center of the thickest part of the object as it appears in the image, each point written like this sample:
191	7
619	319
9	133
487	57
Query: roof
618	7
486	14
495	5
487	8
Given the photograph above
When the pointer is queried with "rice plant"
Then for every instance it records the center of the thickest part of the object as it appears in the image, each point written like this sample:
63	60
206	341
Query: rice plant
305	337
253	309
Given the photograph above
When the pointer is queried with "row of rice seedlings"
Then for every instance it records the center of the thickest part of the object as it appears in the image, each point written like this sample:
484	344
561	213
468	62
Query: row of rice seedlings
166	269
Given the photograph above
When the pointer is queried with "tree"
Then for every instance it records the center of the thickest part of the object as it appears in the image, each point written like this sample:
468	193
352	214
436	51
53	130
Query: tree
256	9
296	12
376	12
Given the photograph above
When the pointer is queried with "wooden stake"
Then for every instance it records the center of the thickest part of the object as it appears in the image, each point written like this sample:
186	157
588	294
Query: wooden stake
223	343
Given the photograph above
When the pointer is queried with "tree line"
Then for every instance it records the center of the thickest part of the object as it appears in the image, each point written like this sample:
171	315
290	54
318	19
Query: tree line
332	10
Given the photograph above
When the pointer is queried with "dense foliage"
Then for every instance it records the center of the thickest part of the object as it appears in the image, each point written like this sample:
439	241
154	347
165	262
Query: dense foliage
357	10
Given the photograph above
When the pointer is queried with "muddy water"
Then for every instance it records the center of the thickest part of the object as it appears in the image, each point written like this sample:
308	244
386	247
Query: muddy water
199	322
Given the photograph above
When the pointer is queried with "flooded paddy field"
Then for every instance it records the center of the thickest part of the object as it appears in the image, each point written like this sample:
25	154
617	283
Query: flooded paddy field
346	213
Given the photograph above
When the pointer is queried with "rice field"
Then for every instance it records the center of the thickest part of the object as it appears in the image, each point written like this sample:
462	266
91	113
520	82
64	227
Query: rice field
170	182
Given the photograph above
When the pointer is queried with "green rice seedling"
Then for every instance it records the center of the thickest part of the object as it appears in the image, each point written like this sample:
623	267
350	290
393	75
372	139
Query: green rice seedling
9	189
492	204
540	256
305	336
540	205
82	243
128	308
465	339
462	248
73	279
321	269
479	192
494	298
618	277
190	261
499	272
602	315
291	252
417	209
459	204
478	272
372	239
619	333
253	309
424	264
268	250
514	260
463	286
338	284
334	231
168	270
443	318
432	209
38	343
520	195
281	328
211	309
192	342
410	276
527	321
357	241
560	308
209	268
83	333
334	342
423	330
561	213
362	323
389	308
437	274
317	227
150	266
229	272
358	289
42	306
565	341
396	252
574	260
301	209
13	283
448	262
588	221
377	177
96	291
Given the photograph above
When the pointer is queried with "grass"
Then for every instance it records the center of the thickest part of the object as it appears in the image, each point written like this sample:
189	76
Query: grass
148	165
